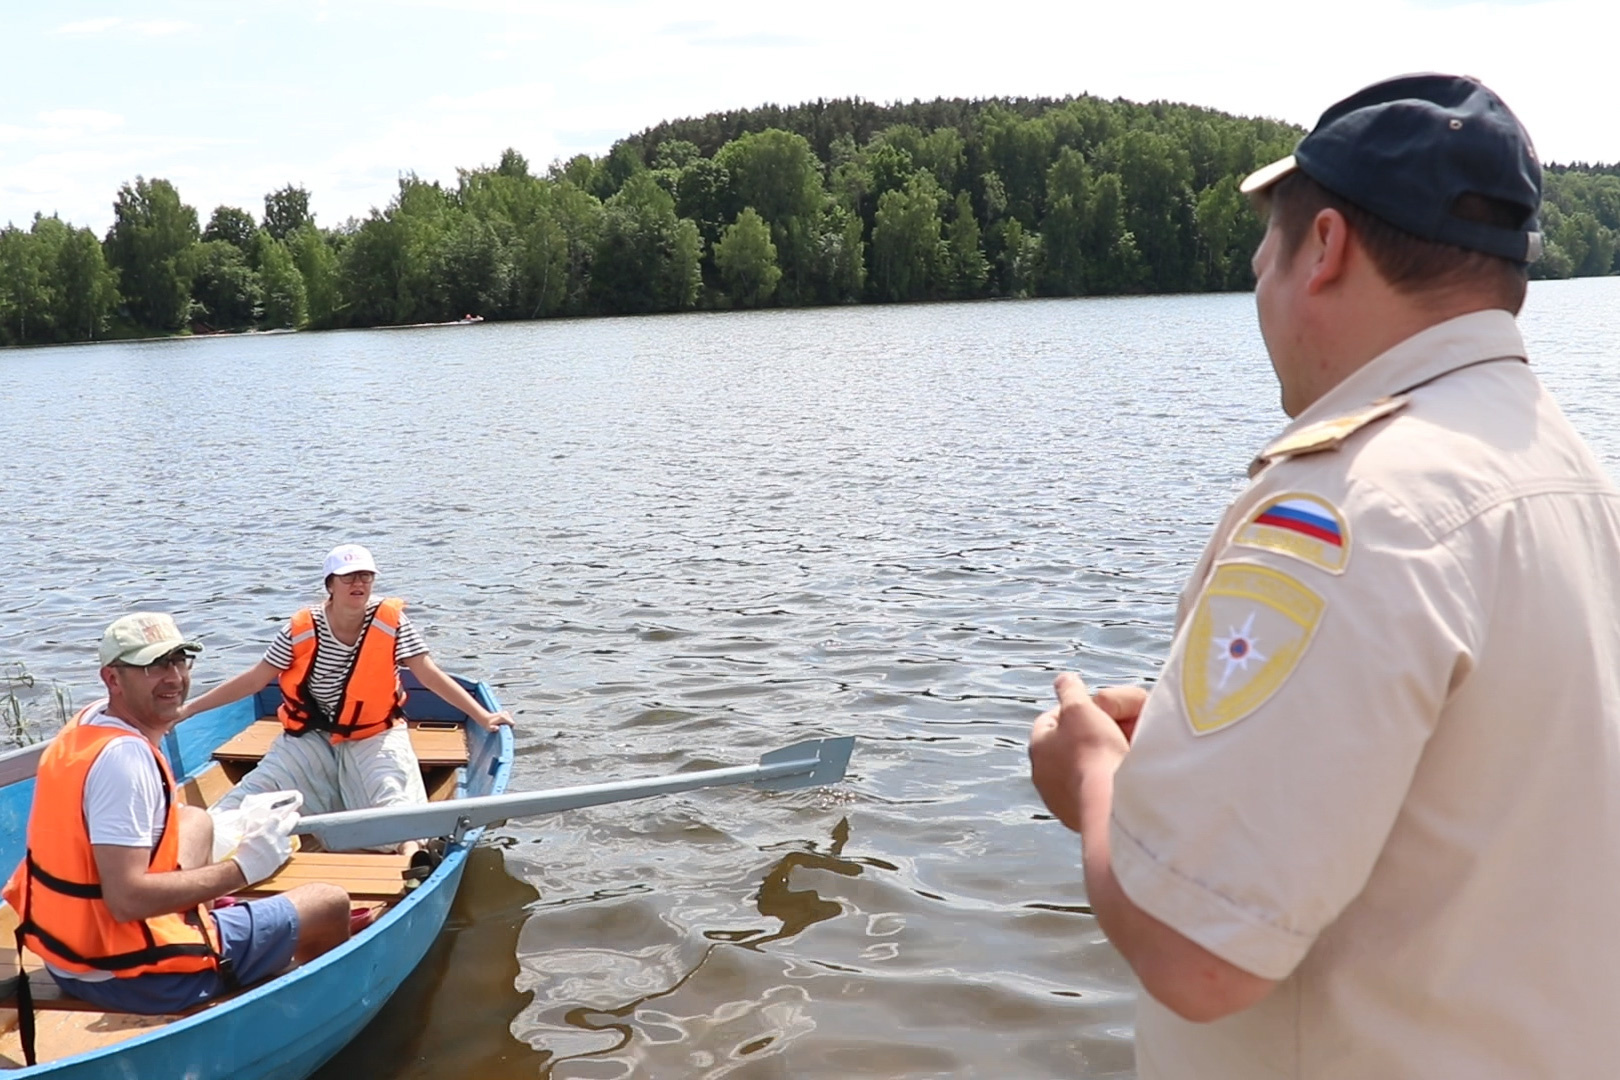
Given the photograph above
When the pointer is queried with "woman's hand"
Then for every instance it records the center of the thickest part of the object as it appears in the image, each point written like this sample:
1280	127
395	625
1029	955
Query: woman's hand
492	720
431	676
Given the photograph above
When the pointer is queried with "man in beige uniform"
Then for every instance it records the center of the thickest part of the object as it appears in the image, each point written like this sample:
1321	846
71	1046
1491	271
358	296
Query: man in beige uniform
1368	823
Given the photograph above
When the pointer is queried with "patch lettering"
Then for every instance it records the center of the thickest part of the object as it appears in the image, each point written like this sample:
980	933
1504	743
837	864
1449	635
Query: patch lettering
1301	526
1246	636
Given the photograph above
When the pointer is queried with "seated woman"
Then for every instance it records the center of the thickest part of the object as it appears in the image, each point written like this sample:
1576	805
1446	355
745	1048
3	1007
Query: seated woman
344	742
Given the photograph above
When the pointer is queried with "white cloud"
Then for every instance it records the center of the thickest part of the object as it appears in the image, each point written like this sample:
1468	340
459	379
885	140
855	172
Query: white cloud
58	126
162	27
440	135
76	120
89	26
52	184
145	28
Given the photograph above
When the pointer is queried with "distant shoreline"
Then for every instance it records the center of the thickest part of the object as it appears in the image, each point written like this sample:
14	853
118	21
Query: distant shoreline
819	204
233	335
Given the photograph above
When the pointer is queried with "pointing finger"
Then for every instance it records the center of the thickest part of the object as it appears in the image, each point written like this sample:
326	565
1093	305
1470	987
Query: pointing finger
1071	689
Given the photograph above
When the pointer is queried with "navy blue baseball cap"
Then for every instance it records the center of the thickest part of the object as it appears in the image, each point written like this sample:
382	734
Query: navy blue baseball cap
1406	149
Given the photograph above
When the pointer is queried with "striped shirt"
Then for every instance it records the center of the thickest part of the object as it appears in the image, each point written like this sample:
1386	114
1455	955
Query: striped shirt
332	657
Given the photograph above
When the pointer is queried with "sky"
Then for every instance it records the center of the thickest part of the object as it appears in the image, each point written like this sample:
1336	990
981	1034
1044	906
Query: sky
230	100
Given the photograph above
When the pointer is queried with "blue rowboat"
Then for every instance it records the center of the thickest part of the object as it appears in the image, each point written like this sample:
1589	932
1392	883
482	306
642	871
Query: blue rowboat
286	1028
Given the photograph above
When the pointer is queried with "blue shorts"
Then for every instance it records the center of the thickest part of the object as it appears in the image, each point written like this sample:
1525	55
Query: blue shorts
257	937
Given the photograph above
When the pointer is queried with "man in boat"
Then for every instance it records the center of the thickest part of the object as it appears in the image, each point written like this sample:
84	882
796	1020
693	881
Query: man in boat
116	887
1365	824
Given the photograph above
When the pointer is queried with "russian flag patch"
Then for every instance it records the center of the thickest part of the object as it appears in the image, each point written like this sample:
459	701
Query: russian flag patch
1303	526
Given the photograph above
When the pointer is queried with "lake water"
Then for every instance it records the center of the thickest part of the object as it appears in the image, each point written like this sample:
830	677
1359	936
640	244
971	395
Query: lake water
679	542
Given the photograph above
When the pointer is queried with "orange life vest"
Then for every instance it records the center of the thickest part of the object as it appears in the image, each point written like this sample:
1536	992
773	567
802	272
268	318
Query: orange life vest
56	891
372	698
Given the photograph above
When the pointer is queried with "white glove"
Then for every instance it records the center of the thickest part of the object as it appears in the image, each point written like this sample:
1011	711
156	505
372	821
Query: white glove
267	840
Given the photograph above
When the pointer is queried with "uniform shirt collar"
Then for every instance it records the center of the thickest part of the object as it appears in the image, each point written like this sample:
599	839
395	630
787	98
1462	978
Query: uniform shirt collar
1423	357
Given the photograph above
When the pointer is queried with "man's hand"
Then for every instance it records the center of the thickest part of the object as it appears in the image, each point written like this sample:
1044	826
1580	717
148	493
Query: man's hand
1122	703
1083	735
1073	753
267	843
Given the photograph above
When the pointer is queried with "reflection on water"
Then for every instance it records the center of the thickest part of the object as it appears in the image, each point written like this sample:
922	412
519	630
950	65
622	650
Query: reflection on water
677	543
458	1004
794	909
797	909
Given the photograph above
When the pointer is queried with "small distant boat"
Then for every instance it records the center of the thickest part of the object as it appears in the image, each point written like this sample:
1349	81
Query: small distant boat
465	320
287	1027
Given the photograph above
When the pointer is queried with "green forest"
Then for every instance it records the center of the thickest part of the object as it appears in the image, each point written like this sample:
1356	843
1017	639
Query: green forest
830	202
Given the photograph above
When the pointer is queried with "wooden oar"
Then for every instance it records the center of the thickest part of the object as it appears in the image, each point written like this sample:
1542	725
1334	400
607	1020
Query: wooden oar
806	764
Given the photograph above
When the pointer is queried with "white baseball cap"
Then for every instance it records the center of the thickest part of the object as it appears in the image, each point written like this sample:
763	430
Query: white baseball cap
347	559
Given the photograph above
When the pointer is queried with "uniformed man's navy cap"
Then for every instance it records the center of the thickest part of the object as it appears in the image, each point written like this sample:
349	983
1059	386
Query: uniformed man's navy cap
1407	148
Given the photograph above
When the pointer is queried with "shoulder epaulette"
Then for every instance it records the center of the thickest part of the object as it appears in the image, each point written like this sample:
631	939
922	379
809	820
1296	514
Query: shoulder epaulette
1326	434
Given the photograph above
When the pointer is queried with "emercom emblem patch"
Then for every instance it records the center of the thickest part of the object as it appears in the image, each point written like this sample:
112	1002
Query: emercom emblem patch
1305	527
1250	628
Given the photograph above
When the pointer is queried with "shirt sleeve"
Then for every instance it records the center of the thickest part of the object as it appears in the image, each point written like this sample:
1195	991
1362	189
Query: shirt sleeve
408	641
123	795
279	654
1273	757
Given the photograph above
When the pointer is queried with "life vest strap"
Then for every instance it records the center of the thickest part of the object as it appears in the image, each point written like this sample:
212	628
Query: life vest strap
25	1005
78	889
151	954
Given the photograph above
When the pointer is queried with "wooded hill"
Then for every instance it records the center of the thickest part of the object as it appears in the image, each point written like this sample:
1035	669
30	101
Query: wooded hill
823	203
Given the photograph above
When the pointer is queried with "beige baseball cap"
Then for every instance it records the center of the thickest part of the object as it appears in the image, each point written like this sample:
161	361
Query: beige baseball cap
139	638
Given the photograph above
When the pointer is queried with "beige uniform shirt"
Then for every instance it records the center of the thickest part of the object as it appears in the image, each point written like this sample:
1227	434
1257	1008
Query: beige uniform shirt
1383	762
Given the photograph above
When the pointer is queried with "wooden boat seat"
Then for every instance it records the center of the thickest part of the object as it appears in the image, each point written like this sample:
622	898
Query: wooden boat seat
365	875
438	743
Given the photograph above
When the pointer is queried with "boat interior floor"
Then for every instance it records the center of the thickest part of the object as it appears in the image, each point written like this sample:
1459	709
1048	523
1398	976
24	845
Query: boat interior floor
65	1026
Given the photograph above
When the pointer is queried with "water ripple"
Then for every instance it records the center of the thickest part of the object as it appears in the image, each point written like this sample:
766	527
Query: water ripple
678	542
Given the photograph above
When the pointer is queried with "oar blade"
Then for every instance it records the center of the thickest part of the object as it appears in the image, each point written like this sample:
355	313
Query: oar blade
826	760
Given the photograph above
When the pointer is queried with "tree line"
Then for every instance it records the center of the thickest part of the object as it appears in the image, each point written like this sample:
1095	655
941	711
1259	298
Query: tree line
823	203
1580	219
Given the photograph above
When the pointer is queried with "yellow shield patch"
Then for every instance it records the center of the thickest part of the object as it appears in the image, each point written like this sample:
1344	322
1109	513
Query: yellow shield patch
1301	526
1250	628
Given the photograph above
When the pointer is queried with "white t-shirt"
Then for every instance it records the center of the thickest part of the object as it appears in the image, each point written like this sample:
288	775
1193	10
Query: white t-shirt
123	792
